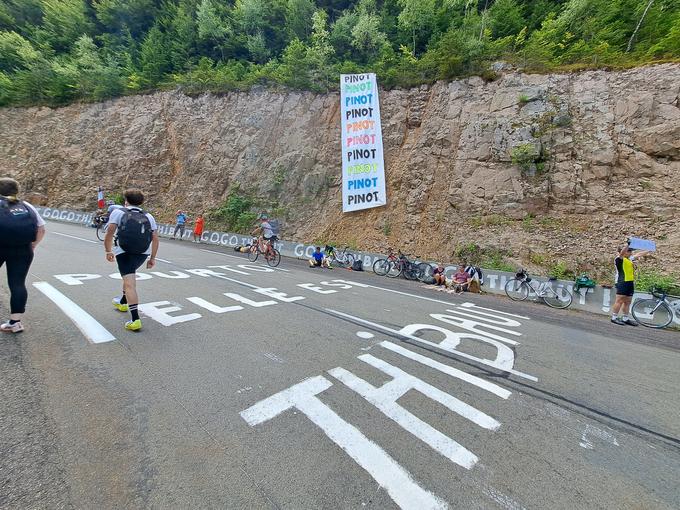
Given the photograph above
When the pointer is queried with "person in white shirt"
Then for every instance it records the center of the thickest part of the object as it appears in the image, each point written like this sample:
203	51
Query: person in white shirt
21	229
137	240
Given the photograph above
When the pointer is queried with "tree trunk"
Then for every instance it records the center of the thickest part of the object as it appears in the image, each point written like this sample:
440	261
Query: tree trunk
630	41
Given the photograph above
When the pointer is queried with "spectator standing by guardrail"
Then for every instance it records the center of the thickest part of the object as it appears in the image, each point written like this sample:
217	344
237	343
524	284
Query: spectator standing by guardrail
625	284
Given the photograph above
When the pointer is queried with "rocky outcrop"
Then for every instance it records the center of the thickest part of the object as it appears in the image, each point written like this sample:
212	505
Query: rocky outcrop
546	167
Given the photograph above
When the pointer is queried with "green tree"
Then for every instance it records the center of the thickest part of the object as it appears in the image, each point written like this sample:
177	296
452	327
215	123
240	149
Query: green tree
16	52
116	15
506	18
154	56
367	39
64	21
417	18
299	18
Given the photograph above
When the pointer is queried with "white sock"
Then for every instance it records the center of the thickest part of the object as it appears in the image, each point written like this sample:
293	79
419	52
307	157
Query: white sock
614	316
625	317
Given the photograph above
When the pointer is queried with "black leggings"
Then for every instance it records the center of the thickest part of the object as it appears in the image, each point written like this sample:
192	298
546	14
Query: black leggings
18	260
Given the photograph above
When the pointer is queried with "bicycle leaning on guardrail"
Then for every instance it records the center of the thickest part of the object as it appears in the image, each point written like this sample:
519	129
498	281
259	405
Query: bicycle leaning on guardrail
519	288
656	312
342	257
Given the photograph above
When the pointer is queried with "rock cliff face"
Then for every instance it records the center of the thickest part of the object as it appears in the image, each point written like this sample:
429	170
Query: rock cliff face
596	158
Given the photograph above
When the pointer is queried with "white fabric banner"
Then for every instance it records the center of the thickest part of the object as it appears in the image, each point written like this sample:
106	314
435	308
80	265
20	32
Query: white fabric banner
363	167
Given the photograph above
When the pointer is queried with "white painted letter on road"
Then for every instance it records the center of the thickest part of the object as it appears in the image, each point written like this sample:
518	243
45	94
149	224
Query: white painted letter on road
160	312
384	469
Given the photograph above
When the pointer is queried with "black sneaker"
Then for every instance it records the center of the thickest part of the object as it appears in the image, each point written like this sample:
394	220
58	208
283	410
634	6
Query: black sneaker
630	322
618	321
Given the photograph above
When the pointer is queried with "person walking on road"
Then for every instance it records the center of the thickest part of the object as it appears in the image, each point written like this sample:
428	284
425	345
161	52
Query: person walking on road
21	229
181	220
625	284
136	239
198	228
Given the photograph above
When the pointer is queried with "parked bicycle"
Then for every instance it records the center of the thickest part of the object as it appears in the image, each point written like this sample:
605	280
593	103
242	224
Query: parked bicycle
657	312
410	269
519	288
382	266
341	257
270	254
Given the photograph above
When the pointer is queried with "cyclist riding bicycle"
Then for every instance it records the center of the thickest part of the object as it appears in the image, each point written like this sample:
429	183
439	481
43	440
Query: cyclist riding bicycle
265	230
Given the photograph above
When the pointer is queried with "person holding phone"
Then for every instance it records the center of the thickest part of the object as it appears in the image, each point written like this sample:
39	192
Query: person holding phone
625	284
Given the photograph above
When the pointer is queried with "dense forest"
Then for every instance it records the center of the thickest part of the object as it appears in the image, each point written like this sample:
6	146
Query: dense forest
60	51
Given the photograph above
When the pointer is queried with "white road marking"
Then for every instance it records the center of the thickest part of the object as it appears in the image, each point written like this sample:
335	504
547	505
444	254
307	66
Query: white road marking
75	237
212	307
76	278
163	260
448	303
88	325
474	306
398	483
474	326
385	398
273	357
240	258
590	430
453	372
160	312
502	500
220	253
500	364
365	335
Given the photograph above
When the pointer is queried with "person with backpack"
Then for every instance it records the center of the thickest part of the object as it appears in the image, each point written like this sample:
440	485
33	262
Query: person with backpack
136	239
21	229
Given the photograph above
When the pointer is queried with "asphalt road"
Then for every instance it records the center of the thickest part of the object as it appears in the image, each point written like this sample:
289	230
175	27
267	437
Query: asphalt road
308	388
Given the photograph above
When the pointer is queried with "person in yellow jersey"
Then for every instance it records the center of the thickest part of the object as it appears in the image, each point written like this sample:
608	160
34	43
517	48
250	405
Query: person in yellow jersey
625	284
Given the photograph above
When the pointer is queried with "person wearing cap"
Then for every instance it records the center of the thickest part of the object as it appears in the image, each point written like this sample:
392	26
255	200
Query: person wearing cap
625	284
180	221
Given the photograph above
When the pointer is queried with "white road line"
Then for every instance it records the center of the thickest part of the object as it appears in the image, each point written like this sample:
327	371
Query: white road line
242	259
88	325
223	254
420	340
74	237
163	260
449	303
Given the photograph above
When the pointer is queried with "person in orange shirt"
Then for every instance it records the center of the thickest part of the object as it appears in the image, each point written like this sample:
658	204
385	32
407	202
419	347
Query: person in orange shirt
198	228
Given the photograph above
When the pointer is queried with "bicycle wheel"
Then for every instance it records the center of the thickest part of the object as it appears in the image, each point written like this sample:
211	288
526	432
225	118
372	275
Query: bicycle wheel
381	267
253	253
557	300
273	257
411	271
396	268
652	313
517	290
349	260
101	231
424	271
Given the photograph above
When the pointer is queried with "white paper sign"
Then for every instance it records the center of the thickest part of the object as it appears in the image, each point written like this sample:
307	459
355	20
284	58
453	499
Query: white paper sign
363	168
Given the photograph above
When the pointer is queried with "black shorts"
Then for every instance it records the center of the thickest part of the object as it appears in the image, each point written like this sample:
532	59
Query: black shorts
271	239
128	263
625	289
317	263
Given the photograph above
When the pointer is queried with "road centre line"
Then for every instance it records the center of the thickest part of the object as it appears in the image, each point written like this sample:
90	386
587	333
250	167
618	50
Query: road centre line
88	325
74	237
420	341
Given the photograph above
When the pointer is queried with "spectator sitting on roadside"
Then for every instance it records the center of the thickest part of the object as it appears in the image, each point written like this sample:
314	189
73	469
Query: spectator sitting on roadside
460	280
438	275
317	258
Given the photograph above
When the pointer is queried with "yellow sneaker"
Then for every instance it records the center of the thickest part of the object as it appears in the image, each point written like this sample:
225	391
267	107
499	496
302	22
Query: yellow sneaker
118	306
133	325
